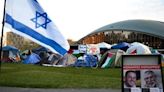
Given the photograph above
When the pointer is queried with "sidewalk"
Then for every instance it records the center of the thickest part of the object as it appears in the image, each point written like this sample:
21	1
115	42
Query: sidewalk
14	89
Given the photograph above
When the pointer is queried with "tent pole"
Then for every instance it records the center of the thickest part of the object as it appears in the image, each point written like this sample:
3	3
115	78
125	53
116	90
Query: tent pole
3	23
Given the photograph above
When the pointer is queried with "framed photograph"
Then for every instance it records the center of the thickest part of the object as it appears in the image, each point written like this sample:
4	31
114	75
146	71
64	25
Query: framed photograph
142	73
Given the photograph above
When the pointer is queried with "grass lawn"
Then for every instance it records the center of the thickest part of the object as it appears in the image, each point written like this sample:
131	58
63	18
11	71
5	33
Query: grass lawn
34	76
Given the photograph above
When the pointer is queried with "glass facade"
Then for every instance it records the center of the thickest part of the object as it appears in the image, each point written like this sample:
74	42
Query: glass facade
129	36
113	37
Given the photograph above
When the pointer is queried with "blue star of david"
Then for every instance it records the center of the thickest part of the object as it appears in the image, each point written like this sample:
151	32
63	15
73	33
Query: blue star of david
41	20
36	1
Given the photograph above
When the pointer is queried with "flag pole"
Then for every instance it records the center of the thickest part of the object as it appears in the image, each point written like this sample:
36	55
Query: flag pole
3	23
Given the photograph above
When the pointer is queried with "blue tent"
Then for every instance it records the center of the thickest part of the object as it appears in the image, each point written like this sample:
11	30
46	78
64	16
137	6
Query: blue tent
10	53
89	61
123	46
40	49
32	59
11	48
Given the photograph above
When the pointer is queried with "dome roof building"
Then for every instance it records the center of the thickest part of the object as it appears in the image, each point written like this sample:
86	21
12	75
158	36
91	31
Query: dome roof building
148	32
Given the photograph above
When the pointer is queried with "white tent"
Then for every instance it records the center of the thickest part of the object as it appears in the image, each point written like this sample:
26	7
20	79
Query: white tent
138	48
137	43
104	45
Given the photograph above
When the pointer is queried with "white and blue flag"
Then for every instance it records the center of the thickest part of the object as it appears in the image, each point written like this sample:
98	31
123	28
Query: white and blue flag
28	19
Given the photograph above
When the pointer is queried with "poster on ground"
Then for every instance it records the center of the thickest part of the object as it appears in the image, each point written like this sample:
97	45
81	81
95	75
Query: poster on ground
142	73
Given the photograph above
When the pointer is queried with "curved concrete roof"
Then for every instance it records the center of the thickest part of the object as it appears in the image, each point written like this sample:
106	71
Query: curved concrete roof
154	28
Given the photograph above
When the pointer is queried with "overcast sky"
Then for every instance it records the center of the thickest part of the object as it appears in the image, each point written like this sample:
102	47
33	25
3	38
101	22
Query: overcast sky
77	18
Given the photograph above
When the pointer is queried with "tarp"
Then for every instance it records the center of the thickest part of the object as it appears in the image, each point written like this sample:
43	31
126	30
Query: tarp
32	59
67	60
87	61
91	61
123	46
57	61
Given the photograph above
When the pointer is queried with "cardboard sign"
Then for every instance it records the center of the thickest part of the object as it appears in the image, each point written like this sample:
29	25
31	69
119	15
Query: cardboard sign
82	48
142	73
93	49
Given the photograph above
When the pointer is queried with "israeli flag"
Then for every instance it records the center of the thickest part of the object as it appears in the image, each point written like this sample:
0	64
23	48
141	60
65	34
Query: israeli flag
28	19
